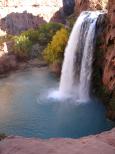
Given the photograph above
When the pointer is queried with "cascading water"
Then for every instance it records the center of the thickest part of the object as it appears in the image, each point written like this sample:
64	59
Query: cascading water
77	65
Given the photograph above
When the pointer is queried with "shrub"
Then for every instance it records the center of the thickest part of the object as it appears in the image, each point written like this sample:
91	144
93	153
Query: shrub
42	36
22	46
71	21
55	50
32	35
5	38
47	31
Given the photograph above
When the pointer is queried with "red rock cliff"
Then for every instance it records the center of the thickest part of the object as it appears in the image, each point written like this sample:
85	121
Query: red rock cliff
109	69
83	5
109	63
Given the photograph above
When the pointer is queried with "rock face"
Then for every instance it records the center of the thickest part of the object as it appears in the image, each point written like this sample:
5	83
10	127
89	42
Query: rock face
83	5
109	62
58	16
56	68
68	7
99	144
7	63
109	69
14	23
98	57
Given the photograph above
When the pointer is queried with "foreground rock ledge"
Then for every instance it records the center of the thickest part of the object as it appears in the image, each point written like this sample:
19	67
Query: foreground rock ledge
103	143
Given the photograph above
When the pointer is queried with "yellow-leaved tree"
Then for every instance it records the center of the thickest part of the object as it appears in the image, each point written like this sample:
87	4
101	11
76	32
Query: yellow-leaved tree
55	50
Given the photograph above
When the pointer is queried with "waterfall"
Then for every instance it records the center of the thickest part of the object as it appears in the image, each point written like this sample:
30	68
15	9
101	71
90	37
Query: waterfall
77	65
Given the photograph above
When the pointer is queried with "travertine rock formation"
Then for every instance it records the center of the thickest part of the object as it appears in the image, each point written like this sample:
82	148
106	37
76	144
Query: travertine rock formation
109	69
109	62
83	5
99	144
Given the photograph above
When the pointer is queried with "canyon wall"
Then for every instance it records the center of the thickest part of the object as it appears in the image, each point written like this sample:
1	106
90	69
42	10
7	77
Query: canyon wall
109	59
103	76
83	5
20	15
109	68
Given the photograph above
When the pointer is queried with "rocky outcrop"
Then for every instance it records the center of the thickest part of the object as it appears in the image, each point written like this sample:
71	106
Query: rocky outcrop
14	23
99	144
109	69
20	15
17	16
58	16
84	5
56	68
7	63
68	7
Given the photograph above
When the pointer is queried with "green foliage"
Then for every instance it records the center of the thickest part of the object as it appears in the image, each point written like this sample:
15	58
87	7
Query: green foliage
71	21
22	45
55	50
32	35
43	35
5	38
47	31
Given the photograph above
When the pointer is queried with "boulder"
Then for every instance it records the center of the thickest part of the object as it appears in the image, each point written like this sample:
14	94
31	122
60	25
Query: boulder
7	63
56	68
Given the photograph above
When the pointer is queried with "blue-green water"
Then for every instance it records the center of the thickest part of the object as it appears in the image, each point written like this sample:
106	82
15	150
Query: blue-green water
26	110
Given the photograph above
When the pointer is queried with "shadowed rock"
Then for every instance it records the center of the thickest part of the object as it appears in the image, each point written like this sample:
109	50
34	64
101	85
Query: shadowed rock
68	7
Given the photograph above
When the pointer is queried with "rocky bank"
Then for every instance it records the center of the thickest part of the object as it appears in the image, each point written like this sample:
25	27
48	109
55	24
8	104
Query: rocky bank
103	143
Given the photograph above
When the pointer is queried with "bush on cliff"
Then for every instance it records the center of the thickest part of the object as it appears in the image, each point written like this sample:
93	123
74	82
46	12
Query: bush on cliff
55	50
43	34
71	21
32	35
22	46
47	31
23	43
